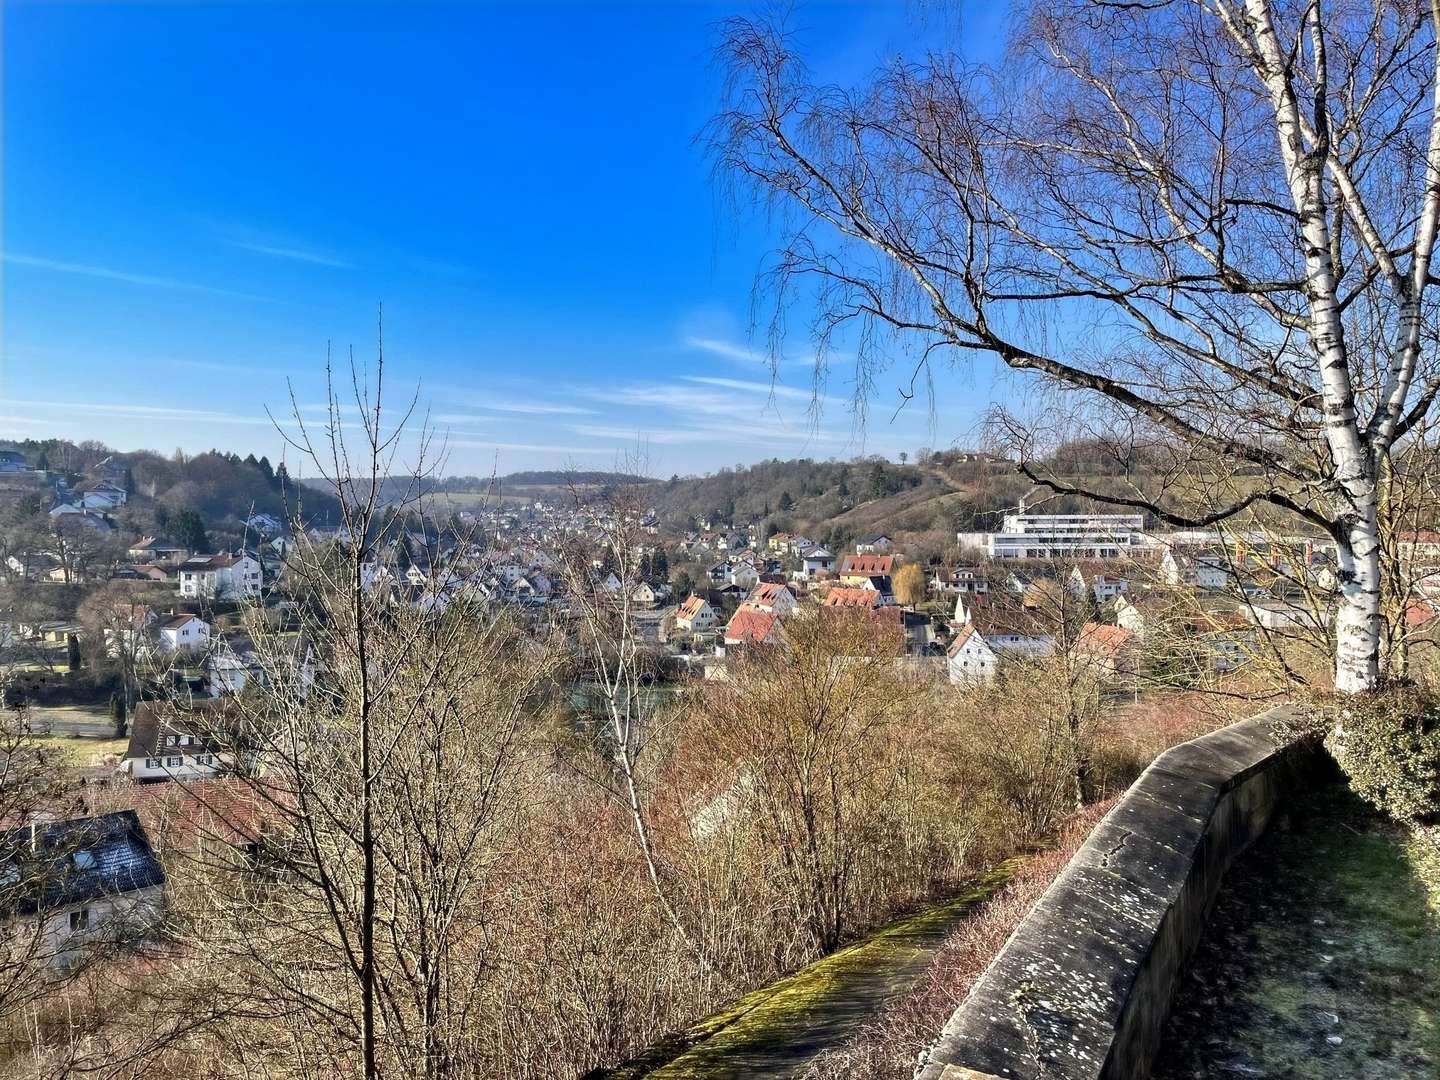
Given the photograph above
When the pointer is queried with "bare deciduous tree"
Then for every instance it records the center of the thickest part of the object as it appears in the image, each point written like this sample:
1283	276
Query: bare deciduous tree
1212	219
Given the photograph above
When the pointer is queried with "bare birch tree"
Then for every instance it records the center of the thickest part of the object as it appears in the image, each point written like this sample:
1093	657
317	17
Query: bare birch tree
1212	219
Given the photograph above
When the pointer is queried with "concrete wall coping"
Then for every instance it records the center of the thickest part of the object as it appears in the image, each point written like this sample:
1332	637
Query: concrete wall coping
1083	987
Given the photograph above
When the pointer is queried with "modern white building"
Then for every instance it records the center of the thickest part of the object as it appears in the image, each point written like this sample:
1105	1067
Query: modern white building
1067	536
220	577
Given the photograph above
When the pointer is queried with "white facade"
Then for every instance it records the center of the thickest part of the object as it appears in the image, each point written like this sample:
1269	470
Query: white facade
1067	536
220	577
176	761
817	559
969	659
70	932
1196	571
695	618
744	576
185	634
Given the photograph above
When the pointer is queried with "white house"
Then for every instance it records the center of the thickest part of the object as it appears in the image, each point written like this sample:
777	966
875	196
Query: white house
183	633
875	545
1006	628
817	559
135	637
1196	569
695	615
168	744
152	550
267	524
963	579
1103	587
103	497
236	661
102	884
220	577
773	599
969	659
744	576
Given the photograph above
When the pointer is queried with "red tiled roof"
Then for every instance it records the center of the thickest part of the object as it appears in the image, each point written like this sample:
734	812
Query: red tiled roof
868	565
861	598
691	607
1419	611
750	625
961	637
1102	637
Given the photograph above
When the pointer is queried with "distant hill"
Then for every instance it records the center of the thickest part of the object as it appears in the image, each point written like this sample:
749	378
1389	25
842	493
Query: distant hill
544	478
223	488
839	502
462	491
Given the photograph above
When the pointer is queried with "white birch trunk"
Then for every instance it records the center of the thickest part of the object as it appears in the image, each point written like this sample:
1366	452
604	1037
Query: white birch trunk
1357	619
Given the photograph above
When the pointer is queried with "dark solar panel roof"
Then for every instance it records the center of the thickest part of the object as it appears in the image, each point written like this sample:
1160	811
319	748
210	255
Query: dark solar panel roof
58	863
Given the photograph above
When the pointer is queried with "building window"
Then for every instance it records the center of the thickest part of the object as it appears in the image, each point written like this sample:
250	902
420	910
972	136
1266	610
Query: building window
80	920
152	763
174	762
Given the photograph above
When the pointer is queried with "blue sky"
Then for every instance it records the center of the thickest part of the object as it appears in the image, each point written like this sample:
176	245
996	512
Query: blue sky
198	197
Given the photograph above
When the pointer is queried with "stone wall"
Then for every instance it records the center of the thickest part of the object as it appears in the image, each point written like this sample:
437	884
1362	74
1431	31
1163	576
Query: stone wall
1083	987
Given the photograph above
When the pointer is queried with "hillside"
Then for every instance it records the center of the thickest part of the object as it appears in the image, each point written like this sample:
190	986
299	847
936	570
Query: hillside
472	492
841	501
222	488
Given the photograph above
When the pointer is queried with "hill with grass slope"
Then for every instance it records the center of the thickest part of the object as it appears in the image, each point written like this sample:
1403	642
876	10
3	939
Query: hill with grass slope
840	501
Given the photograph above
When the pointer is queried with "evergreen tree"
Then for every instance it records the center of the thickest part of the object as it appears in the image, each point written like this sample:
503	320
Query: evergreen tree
43	462
118	717
266	468
72	652
786	502
189	531
878	486
129	482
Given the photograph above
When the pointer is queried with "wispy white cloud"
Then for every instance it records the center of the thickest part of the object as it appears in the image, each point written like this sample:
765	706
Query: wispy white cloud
769	389
523	408
744	354
141	412
727	349
106	273
294	254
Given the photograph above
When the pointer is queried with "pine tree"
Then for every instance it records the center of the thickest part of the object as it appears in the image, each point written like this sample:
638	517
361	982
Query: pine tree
118	717
189	531
72	652
786	502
